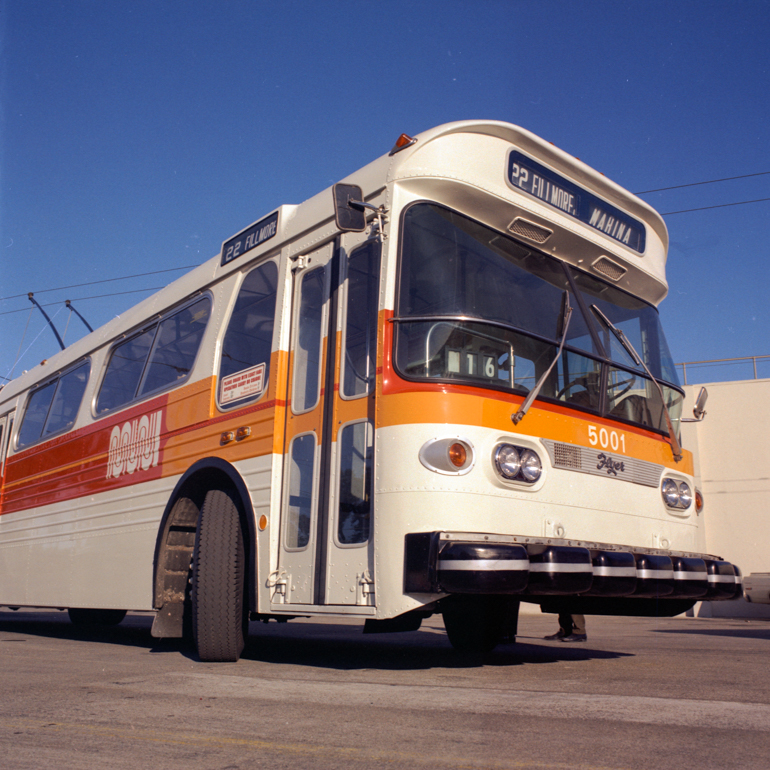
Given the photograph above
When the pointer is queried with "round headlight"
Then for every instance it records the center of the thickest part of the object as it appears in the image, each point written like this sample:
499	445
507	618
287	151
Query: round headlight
670	492
531	467
508	461
685	496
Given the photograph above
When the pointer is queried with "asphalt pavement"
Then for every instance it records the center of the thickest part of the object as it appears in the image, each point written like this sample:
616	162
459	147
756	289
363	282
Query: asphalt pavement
641	693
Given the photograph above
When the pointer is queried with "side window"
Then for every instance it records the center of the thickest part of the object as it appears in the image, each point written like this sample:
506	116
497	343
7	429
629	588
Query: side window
53	407
301	476
248	341
307	349
124	371
35	414
354	520
361	321
66	401
176	346
155	358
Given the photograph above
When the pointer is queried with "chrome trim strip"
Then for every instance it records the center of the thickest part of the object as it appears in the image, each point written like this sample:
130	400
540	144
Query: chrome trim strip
615	571
546	567
655	574
483	565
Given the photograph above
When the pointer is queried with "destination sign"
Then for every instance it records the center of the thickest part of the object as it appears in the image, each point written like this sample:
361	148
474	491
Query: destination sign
258	233
534	179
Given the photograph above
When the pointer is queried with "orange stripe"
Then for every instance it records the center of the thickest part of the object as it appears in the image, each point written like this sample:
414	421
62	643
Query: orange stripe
548	421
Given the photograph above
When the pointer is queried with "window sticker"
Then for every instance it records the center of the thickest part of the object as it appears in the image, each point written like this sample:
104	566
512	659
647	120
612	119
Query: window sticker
243	384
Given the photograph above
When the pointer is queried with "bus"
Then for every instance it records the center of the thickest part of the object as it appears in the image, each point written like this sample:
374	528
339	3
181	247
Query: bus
438	387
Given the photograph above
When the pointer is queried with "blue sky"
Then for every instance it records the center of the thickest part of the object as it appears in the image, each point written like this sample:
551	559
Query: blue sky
136	136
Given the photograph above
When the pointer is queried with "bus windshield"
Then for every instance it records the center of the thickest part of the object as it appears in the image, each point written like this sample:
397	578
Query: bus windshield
478	307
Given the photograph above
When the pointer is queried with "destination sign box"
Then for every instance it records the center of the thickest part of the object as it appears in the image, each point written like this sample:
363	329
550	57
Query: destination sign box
534	179
258	233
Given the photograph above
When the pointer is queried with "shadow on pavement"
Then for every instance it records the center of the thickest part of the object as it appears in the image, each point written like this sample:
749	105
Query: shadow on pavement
316	645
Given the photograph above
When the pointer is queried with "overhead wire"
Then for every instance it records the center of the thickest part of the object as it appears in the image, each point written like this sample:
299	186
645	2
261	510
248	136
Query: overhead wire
718	206
105	280
83	299
709	181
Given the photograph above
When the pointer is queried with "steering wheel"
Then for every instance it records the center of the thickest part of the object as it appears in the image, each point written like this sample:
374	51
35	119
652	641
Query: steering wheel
629	383
577	381
588	381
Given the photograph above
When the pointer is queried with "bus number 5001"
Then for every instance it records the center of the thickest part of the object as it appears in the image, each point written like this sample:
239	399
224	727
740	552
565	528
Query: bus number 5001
606	439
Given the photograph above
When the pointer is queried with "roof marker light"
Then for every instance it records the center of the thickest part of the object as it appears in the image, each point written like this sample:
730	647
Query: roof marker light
402	143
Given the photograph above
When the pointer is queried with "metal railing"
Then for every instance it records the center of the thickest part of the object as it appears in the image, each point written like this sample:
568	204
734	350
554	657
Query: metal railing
722	362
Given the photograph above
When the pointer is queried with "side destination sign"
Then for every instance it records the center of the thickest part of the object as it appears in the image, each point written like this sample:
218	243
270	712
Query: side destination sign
259	233
546	185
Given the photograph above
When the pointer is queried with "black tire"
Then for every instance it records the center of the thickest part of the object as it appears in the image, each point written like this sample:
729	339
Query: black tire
474	624
219	617
88	617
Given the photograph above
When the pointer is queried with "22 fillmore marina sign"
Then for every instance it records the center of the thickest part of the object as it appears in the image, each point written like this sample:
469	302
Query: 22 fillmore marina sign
535	179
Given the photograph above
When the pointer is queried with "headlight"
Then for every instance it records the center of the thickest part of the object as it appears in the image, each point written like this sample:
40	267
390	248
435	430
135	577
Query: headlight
685	496
531	467
670	492
676	494
508	461
515	463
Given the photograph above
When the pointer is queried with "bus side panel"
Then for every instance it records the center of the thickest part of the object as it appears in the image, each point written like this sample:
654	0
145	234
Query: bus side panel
94	551
82	511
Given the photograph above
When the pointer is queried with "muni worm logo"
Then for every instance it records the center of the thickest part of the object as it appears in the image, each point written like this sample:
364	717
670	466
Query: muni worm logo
135	446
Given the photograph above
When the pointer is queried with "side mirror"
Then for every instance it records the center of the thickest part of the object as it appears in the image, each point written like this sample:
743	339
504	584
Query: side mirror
700	404
349	219
700	407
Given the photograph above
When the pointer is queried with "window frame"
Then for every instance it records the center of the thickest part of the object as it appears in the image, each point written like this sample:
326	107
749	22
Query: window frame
273	259
155	325
374	315
337	521
55	380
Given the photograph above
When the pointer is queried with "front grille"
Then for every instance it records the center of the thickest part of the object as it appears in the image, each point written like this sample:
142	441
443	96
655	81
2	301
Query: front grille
567	456
601	462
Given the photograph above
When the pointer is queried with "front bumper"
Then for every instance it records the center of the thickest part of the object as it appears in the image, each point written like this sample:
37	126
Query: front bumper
543	569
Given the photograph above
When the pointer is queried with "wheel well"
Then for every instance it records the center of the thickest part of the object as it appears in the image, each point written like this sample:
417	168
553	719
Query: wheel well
176	540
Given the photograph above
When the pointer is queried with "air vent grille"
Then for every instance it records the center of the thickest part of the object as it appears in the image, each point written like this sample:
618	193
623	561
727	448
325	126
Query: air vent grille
529	230
609	268
567	456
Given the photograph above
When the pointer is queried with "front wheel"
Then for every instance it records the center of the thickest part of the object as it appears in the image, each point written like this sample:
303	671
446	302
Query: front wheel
220	620
474	623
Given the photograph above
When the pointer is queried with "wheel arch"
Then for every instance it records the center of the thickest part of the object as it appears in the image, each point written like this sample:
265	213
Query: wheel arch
175	538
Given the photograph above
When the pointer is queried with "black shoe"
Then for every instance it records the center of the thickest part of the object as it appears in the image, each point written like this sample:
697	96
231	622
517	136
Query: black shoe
558	635
575	638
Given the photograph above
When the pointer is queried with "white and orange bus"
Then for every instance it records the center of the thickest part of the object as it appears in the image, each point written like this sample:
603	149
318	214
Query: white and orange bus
440	386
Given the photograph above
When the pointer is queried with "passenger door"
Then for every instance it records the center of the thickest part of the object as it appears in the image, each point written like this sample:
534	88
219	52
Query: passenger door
326	551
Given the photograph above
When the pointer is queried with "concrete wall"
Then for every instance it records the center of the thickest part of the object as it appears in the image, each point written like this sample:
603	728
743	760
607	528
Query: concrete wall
731	448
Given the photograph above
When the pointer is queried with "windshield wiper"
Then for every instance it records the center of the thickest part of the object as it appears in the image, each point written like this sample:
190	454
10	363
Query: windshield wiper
564	319
676	448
